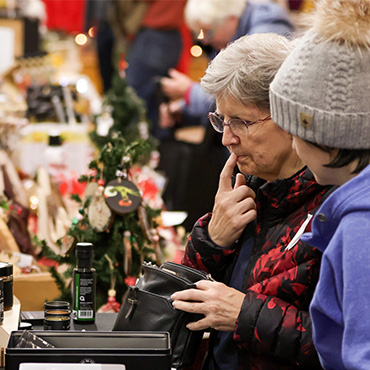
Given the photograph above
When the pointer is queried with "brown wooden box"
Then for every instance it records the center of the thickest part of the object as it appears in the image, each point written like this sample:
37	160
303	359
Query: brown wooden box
33	290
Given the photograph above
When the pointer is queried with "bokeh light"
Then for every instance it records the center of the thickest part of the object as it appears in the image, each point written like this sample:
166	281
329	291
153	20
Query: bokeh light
81	39
82	85
196	51
34	202
63	81
92	32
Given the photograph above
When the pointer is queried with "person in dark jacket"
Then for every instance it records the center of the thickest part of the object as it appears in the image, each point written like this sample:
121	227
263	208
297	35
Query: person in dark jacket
265	276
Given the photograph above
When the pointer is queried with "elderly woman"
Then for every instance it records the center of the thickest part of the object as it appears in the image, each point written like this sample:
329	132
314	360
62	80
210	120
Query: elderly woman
258	309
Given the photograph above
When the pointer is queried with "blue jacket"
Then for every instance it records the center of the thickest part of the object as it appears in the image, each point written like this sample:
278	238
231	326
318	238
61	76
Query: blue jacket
340	309
257	18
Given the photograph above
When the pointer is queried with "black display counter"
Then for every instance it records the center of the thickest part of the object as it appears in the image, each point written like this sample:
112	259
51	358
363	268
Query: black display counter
90	343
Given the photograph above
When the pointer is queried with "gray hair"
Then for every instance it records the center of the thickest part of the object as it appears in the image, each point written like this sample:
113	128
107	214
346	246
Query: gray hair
211	12
246	67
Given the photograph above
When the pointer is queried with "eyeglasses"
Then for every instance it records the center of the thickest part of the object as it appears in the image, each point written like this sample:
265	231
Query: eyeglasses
236	125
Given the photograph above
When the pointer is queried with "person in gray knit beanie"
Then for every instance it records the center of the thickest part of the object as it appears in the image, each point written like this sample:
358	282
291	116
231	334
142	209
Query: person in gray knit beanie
321	95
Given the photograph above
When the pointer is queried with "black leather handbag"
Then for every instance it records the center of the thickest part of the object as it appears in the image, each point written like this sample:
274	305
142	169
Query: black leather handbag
147	306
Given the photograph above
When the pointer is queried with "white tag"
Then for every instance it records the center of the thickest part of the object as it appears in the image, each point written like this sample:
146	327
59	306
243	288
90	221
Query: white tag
297	236
25	260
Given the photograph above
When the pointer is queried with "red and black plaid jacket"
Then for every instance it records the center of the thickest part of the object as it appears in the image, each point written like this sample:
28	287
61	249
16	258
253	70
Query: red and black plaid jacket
273	330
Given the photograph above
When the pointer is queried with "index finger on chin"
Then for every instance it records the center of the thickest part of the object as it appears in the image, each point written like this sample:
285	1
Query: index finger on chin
226	174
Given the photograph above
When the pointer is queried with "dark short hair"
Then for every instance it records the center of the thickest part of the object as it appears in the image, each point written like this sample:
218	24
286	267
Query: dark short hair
346	156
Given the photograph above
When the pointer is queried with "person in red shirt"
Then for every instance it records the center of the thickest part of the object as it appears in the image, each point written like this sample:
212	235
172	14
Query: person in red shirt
156	48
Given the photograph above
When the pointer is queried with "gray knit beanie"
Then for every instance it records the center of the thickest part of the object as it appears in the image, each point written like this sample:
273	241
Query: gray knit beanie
322	91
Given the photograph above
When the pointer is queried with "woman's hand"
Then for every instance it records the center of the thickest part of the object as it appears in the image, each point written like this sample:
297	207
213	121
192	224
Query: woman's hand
165	116
234	207
169	113
219	304
176	85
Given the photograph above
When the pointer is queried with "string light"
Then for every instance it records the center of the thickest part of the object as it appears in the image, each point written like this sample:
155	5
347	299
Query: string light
81	39
196	51
82	86
34	201
92	32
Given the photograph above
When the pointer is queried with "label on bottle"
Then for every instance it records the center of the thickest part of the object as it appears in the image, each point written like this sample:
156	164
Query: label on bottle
84	296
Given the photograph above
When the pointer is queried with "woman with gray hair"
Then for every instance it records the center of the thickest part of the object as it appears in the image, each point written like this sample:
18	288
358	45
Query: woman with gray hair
219	22
265	276
215	17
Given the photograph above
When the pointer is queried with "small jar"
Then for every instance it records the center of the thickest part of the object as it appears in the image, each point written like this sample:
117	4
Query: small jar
57	323
6	273
57	315
56	305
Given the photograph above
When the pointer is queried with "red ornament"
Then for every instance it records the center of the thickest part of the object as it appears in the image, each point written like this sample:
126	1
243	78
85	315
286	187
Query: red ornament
112	305
130	280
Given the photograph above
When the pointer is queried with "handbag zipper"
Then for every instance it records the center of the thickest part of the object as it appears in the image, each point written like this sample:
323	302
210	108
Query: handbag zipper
200	273
155	267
